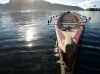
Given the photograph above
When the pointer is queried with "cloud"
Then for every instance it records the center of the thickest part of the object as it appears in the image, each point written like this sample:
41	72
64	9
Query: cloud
87	3
82	3
54	1
4	1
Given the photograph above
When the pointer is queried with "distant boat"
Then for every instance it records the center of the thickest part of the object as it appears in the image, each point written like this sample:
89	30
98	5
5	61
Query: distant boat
69	30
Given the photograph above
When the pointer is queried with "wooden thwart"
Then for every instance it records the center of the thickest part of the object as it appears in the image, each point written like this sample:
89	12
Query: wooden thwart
69	23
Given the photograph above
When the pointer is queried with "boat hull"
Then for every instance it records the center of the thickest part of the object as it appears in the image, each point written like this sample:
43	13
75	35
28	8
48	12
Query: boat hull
61	35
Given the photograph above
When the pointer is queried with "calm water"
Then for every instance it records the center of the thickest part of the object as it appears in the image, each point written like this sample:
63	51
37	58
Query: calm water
27	44
89	58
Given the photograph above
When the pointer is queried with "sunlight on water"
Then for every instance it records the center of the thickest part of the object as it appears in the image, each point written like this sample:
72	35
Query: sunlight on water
29	34
29	45
26	11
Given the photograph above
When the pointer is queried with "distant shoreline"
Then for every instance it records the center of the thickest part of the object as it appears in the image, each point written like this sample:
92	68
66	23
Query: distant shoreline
93	9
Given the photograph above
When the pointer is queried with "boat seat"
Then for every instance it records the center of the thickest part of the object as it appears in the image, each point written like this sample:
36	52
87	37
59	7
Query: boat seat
69	23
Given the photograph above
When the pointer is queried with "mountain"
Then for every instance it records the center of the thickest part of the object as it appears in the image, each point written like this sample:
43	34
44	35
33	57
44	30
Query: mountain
44	5
18	5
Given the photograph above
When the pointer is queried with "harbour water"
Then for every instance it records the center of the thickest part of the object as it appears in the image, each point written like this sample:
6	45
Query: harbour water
27	44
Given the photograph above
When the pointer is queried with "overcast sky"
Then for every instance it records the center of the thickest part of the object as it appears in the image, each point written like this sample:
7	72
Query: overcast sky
81	3
4	1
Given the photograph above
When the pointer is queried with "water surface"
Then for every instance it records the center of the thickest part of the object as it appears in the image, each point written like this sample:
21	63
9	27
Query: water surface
89	58
27	44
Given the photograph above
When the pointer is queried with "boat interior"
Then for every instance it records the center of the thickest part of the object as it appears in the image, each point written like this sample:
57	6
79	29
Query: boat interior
69	22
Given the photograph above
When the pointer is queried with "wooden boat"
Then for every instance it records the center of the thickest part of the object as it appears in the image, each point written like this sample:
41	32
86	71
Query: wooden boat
69	29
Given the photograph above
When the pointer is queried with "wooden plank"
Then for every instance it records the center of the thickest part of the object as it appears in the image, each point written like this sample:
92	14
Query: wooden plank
69	23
